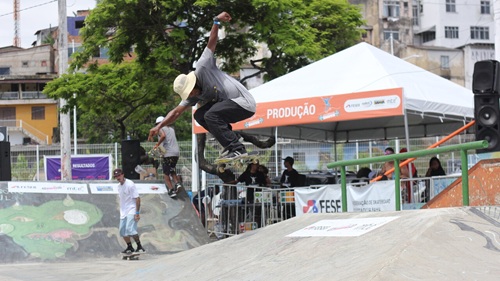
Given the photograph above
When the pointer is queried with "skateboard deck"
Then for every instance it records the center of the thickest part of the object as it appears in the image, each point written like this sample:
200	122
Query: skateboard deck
131	256
223	164
157	153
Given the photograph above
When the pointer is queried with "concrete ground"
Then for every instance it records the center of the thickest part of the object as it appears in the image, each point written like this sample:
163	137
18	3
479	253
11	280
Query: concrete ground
435	244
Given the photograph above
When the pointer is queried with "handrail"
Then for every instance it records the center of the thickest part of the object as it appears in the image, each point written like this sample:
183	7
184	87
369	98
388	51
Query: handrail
412	154
438	143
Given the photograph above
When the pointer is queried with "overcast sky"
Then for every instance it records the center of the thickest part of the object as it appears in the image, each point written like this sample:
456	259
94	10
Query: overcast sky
35	15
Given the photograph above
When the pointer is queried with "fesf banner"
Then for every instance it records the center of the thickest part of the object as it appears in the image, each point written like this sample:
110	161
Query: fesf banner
374	197
333	108
326	199
83	167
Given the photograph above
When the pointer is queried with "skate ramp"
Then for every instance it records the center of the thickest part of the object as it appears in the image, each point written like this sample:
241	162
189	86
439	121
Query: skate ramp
433	244
484	179
36	227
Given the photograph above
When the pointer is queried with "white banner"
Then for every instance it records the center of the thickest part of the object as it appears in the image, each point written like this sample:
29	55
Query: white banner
47	187
326	199
342	227
374	197
142	188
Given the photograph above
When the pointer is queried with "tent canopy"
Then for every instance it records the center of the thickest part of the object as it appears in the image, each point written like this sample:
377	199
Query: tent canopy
363	75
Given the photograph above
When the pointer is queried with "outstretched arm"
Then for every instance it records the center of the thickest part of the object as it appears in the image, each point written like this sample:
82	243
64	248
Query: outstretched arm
168	120
212	40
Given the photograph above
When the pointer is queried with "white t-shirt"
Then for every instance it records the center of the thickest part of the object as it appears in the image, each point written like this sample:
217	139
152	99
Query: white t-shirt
128	193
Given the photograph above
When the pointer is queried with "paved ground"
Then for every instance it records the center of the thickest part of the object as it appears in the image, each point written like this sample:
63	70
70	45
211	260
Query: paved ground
435	244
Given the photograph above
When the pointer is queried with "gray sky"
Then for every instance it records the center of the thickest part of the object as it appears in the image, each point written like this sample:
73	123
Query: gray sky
35	15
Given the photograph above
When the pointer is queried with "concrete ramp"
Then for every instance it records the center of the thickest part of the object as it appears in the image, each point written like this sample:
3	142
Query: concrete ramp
42	227
433	244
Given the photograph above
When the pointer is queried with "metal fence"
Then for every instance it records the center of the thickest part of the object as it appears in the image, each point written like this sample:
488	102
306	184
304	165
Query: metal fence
310	157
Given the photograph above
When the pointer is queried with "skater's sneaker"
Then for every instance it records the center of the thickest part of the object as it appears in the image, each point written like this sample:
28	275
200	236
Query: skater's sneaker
177	186
129	250
140	250
172	193
223	152
234	155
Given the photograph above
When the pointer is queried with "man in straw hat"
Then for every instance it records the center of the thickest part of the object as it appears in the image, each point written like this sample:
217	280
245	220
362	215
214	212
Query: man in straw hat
221	99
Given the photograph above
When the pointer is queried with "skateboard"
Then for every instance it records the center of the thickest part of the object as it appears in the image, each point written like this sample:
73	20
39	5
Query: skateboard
223	164
131	256
157	153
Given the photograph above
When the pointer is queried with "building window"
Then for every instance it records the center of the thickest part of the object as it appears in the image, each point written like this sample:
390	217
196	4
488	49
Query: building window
24	64
4	70
485	7
7	113
450	6
445	62
428	36
415	15
451	32
38	113
387	34
44	63
391	9
79	24
480	32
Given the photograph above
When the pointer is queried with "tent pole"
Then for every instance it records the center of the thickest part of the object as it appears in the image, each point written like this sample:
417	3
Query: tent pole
276	149
194	164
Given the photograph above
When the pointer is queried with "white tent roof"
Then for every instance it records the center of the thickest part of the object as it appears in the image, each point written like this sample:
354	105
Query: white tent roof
434	105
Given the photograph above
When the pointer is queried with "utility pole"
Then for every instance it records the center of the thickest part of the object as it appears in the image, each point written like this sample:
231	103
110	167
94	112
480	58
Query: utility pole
17	18
64	119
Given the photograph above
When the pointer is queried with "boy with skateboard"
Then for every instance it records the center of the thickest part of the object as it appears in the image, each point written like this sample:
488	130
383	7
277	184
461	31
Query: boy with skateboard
130	206
221	99
168	140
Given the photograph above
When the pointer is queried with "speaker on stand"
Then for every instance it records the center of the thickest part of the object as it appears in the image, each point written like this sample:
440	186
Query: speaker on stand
130	158
485	86
5	170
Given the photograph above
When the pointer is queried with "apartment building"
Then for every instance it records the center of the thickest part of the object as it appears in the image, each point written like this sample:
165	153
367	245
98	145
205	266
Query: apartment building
445	37
29	115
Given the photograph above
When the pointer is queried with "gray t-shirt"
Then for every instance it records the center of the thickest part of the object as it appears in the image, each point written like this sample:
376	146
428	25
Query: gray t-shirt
170	142
217	85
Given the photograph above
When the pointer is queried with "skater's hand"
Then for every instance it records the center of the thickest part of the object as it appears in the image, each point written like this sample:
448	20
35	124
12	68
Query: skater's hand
224	16
137	217
153	132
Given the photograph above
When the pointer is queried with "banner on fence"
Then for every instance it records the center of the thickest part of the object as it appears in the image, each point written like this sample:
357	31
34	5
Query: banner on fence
47	187
326	199
83	167
142	188
374	197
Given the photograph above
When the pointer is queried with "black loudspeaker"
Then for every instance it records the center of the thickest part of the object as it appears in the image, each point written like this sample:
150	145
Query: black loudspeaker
487	115
485	79
3	134
130	158
5	171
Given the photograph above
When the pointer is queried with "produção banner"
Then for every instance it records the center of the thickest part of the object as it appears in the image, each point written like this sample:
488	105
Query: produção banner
47	187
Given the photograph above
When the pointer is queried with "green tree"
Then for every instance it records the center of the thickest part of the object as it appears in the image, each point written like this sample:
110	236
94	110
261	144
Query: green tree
115	101
169	36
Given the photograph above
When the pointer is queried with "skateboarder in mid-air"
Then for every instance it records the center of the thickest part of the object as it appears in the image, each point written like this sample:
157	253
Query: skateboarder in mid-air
130	205
221	99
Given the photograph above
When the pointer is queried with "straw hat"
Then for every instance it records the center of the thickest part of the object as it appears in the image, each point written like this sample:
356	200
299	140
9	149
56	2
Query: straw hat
184	84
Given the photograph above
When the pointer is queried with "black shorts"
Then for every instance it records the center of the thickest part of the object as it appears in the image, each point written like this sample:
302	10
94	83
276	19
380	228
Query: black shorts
168	164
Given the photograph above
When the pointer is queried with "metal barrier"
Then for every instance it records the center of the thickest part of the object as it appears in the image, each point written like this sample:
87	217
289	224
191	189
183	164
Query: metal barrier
423	189
414	154
229	210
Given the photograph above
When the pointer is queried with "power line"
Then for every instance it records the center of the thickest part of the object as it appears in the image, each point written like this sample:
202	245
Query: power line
42	4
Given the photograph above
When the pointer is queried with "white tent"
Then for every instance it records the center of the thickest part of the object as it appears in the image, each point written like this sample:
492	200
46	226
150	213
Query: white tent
430	104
